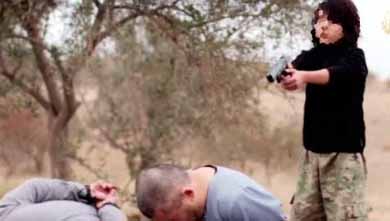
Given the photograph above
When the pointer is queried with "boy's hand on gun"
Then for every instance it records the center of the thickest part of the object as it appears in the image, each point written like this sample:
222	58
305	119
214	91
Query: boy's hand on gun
293	80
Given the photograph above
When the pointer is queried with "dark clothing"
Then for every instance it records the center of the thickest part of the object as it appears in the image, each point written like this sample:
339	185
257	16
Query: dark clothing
333	119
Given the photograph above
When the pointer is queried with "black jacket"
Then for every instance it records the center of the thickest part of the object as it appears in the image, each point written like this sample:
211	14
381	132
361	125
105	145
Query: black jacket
333	119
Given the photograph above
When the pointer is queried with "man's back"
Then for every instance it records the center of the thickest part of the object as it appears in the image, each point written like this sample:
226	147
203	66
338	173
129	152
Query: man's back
54	210
234	196
52	200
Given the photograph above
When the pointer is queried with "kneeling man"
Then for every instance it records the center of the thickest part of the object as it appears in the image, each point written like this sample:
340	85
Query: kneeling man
209	193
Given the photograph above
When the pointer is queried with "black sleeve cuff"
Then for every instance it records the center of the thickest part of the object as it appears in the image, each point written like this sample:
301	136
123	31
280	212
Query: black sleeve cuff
85	195
112	204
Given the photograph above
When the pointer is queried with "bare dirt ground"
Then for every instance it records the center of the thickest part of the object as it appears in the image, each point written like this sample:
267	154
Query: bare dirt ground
377	118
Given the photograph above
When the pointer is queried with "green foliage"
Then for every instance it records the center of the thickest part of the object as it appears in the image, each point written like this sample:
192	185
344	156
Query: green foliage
177	72
223	19
12	100
184	90
190	76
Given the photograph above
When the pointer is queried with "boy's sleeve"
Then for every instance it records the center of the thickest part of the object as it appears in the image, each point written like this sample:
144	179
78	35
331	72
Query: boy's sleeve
352	69
304	60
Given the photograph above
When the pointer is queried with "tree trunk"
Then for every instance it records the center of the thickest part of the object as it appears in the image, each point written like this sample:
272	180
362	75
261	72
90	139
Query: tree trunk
38	163
268	171
9	169
148	158
57	148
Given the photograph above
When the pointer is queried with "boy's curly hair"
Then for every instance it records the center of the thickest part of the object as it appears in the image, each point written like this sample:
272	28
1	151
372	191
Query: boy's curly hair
344	13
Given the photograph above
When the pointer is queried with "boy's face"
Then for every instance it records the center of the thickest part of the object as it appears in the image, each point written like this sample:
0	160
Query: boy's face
327	31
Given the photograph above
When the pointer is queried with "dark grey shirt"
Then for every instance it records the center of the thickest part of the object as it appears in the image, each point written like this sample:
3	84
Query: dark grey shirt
233	196
53	200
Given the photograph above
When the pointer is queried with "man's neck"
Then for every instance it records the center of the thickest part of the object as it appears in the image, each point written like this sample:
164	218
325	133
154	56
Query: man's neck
201	178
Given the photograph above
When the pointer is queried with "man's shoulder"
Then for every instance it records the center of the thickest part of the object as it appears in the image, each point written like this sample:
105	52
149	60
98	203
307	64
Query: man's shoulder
233	194
221	201
231	186
225	189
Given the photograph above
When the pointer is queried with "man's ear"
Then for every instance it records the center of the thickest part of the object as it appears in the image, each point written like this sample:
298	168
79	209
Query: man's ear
188	193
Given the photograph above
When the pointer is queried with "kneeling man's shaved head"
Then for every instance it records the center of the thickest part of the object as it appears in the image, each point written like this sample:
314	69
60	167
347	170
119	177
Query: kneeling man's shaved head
159	188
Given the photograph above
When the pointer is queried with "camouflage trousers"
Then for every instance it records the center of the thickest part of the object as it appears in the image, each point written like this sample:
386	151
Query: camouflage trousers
330	187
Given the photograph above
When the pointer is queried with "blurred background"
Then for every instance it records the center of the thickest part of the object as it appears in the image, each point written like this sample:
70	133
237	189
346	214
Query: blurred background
94	89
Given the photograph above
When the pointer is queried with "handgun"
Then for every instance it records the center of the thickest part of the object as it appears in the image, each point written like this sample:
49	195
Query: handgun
278	70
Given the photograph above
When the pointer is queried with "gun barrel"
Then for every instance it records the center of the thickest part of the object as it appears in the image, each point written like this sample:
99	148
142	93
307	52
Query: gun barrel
277	69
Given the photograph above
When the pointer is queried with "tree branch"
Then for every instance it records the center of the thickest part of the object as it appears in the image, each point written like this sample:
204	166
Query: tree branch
11	76
112	141
96	35
44	65
101	36
104	132
67	82
81	162
137	8
171	32
96	27
97	3
28	39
